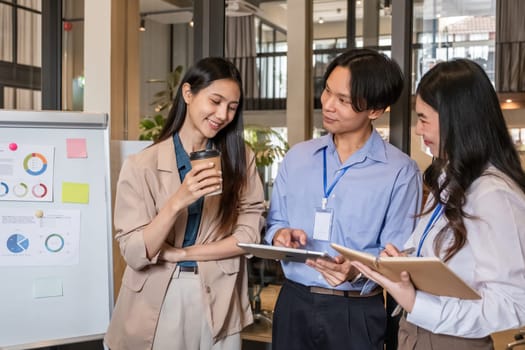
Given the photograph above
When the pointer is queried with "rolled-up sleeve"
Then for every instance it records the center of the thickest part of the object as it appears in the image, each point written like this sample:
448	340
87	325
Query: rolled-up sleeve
497	245
132	214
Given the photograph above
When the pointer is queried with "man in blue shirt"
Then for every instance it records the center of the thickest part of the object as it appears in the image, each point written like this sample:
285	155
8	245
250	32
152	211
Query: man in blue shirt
348	187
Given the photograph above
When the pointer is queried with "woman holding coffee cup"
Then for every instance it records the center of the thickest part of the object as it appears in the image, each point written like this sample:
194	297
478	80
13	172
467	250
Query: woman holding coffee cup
182	205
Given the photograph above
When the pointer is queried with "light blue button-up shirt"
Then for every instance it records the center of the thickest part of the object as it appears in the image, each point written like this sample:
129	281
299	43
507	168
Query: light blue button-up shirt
373	203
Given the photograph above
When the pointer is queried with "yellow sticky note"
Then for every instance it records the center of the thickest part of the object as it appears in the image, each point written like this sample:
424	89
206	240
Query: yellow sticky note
73	192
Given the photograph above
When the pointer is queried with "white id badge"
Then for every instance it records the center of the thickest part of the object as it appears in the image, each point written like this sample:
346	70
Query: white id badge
323	224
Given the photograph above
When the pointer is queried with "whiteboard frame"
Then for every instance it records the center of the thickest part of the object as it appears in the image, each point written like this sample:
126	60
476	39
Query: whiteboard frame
70	120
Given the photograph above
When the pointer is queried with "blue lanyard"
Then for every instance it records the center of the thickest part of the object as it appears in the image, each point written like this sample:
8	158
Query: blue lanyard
435	216
329	190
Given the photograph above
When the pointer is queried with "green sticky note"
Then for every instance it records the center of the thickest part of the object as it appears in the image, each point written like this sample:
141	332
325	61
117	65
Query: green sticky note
73	192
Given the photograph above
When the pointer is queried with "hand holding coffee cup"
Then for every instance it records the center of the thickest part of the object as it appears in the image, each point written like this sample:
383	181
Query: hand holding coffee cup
207	156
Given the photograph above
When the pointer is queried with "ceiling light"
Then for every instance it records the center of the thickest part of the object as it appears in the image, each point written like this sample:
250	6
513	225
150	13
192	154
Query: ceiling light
142	27
320	20
508	100
191	23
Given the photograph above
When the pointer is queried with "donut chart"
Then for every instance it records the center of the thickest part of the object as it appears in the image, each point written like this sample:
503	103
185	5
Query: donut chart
35	164
54	243
20	189
39	190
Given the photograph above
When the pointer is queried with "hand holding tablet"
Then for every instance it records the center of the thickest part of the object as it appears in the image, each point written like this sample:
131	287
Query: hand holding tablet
282	253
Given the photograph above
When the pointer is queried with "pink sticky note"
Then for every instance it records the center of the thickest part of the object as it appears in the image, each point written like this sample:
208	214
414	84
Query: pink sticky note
76	148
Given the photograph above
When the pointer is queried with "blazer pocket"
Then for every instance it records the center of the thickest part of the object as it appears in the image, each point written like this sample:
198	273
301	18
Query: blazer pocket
229	266
134	280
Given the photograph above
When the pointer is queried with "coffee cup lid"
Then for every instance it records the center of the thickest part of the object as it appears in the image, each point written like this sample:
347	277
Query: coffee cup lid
205	153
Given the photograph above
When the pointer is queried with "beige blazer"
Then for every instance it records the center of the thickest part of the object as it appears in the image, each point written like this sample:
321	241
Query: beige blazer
146	182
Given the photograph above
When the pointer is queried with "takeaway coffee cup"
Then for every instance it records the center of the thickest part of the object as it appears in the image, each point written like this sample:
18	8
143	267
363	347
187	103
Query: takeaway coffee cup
206	156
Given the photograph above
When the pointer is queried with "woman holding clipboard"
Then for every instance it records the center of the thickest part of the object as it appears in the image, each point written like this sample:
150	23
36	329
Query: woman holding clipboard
473	219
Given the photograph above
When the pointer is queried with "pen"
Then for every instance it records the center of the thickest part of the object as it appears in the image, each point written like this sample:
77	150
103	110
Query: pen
407	251
404	251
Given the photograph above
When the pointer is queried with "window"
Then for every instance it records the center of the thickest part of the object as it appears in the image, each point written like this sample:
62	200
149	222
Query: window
20	54
451	29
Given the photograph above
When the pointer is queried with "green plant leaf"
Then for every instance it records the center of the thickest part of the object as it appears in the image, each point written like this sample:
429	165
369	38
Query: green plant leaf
151	126
267	144
147	124
159	120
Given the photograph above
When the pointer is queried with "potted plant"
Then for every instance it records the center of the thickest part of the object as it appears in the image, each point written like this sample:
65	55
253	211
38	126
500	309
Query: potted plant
150	126
269	146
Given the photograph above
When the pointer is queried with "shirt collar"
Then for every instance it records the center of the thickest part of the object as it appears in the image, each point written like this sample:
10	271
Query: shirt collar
374	148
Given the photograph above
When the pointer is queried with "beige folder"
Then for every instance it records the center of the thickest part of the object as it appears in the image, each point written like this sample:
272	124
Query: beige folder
429	274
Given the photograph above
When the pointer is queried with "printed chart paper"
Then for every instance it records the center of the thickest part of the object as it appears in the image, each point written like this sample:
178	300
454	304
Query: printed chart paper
38	238
26	172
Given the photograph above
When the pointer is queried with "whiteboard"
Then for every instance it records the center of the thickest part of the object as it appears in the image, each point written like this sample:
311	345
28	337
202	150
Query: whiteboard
45	302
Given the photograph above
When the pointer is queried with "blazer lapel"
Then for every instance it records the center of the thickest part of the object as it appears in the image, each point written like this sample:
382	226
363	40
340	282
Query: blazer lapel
170	179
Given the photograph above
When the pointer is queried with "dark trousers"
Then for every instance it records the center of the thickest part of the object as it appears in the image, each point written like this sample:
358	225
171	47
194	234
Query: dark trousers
304	320
392	324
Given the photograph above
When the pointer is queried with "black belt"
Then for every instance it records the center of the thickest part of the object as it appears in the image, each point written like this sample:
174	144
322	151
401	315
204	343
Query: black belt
335	292
193	269
345	293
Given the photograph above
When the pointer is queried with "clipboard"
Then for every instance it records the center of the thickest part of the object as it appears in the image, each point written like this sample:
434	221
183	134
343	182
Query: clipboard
428	274
281	253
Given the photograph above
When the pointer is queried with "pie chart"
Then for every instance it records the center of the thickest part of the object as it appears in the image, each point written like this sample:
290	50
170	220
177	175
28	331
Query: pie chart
17	243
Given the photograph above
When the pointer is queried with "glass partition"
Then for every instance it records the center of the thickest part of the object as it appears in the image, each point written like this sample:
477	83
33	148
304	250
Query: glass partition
73	55
20	54
448	29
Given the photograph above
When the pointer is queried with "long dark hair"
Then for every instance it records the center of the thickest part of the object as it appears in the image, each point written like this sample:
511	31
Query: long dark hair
472	134
376	81
229	140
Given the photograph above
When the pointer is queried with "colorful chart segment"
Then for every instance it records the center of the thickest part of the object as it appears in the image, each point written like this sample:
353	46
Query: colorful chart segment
39	191
35	164
20	190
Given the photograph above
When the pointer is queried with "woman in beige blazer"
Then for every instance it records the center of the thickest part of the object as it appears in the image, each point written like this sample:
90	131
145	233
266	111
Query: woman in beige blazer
185	283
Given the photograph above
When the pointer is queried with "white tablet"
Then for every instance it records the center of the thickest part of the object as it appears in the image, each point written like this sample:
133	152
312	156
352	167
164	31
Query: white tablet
282	253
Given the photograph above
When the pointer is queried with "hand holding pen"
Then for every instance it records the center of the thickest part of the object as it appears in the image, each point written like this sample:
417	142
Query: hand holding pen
389	250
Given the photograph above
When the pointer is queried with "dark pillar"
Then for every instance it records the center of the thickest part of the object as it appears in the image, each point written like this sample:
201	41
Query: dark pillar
208	19
350	24
400	112
51	54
